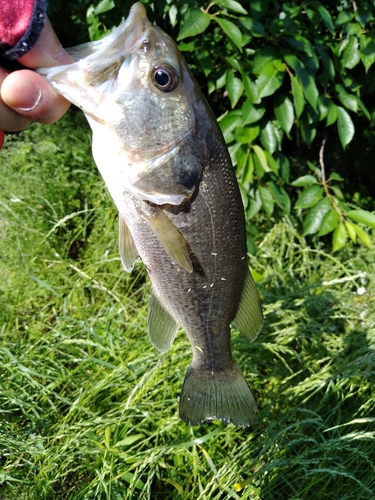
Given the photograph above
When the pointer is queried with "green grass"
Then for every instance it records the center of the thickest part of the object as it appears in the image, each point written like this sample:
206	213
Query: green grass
89	410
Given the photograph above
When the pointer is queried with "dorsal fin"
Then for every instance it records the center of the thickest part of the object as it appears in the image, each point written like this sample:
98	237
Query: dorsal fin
128	250
162	327
249	317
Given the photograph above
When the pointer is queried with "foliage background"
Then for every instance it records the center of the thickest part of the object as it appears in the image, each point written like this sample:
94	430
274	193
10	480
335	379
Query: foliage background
88	409
292	86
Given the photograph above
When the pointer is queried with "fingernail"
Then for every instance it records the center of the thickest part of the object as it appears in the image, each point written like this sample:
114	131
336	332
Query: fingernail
23	95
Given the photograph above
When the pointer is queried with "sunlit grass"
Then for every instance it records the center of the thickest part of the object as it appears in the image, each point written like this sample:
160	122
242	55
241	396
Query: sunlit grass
89	410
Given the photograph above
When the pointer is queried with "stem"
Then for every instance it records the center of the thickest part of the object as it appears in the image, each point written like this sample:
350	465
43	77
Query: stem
208	8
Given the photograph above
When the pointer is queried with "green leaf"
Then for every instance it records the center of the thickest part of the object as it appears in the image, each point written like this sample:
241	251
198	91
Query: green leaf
229	123
362	235
281	196
129	440
267	200
344	17
255	205
323	107
261	157
272	163
314	169
362	216
234	87
231	30
351	56
196	22
327	62
268	137
250	89
263	58
104	6
284	167
232	5
335	176
349	101
338	192
251	246
251	113
363	14
291	59
367	53
345	126
248	172
339	237
298	98
246	135
351	231
314	217
325	15
309	197
332	113
363	108
259	8
309	88
305	180
284	112
269	81
258	169
256	28
303	46
329	222
308	127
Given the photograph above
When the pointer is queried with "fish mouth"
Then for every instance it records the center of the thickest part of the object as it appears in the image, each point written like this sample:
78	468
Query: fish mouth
96	62
101	59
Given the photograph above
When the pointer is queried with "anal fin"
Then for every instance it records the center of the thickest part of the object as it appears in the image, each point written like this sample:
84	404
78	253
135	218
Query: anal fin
127	248
249	317
162	327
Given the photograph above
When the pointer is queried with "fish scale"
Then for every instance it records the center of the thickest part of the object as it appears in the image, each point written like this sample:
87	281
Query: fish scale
164	160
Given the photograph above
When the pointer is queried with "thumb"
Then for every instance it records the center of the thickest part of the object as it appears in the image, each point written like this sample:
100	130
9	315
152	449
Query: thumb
26	94
47	50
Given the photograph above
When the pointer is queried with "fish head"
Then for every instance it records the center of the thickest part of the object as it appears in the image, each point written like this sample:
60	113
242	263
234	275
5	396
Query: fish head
138	94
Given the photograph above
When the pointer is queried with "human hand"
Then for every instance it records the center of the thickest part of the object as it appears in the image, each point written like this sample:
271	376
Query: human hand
24	95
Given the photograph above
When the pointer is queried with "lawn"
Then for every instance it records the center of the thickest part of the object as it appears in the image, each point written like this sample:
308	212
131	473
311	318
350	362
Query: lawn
89	409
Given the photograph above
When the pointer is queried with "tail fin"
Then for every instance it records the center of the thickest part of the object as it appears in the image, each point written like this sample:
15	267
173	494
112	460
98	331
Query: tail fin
223	396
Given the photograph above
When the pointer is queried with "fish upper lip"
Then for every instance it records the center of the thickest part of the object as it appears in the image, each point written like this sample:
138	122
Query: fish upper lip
114	48
124	38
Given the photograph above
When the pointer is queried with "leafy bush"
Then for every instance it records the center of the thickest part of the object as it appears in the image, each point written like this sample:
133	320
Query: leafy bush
280	76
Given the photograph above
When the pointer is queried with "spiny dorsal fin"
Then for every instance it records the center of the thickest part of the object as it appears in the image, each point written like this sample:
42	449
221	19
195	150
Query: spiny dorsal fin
170	237
128	250
162	327
249	317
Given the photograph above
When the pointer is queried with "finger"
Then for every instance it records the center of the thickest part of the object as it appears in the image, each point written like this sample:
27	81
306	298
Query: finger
47	50
29	95
10	120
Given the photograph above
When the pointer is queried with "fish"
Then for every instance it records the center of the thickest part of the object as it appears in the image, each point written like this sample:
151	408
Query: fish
161	153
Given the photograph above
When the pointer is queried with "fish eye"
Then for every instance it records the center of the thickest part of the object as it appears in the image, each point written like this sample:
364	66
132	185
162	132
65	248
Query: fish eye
164	78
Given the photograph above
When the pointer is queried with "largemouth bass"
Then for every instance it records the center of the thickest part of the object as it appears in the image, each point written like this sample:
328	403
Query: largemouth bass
163	158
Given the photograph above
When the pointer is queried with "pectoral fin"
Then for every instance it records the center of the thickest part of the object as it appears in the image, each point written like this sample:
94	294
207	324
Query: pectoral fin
249	317
162	327
128	250
170	237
